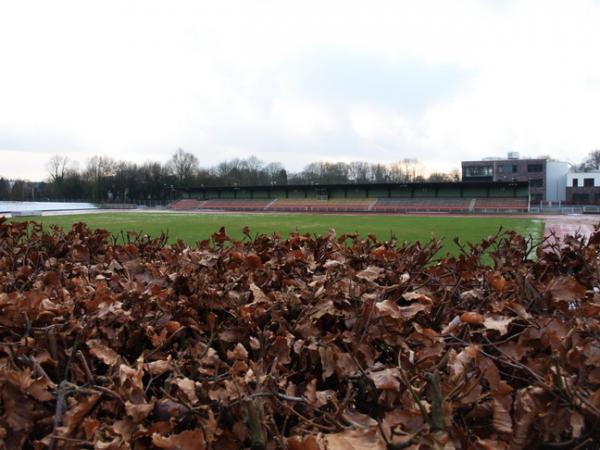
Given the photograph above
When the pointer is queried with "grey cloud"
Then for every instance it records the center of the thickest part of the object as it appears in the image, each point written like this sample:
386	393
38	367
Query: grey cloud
267	139
38	141
342	78
336	81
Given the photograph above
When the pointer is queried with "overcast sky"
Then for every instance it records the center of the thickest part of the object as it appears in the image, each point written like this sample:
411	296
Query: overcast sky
297	81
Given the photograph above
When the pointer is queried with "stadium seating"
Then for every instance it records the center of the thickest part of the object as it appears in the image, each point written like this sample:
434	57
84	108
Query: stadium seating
500	204
334	205
237	205
221	204
404	205
393	205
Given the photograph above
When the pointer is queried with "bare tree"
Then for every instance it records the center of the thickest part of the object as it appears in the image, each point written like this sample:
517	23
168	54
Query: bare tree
98	167
276	173
57	167
455	175
97	171
592	162
358	171
252	168
413	169
183	165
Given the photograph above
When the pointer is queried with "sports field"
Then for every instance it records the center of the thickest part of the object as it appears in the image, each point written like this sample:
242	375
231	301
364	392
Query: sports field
192	228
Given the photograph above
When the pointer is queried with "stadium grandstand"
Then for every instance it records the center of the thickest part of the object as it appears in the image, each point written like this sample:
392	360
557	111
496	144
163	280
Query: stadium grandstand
471	197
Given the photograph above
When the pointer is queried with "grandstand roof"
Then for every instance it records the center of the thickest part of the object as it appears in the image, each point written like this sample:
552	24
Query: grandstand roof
438	185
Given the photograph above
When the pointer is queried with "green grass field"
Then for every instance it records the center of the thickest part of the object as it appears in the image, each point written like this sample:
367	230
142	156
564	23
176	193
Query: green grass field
192	228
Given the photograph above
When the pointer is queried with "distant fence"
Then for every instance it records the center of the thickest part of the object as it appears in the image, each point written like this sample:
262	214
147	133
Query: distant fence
136	204
118	206
566	209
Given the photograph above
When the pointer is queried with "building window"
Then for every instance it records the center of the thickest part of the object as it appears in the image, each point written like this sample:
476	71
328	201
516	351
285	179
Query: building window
581	198
588	182
535	167
479	171
507	168
575	182
538	182
536	197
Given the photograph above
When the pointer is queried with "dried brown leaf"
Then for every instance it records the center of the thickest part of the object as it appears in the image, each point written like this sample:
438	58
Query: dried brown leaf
502	420
498	323
355	440
186	440
101	351
388	379
371	273
472	318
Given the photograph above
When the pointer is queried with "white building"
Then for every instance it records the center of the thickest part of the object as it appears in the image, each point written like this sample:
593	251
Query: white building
583	188
583	179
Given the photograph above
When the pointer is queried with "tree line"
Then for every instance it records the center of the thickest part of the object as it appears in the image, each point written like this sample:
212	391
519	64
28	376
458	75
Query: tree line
105	180
590	163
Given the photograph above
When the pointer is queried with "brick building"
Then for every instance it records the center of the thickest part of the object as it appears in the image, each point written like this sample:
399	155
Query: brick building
547	178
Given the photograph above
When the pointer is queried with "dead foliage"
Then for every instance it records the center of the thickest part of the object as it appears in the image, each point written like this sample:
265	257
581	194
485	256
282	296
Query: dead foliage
306	343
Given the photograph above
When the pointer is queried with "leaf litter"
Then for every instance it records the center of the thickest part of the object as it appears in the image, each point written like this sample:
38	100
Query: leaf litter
306	343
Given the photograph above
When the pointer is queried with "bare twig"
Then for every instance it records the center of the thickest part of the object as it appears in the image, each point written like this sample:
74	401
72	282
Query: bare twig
86	367
58	410
437	402
254	421
413	392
